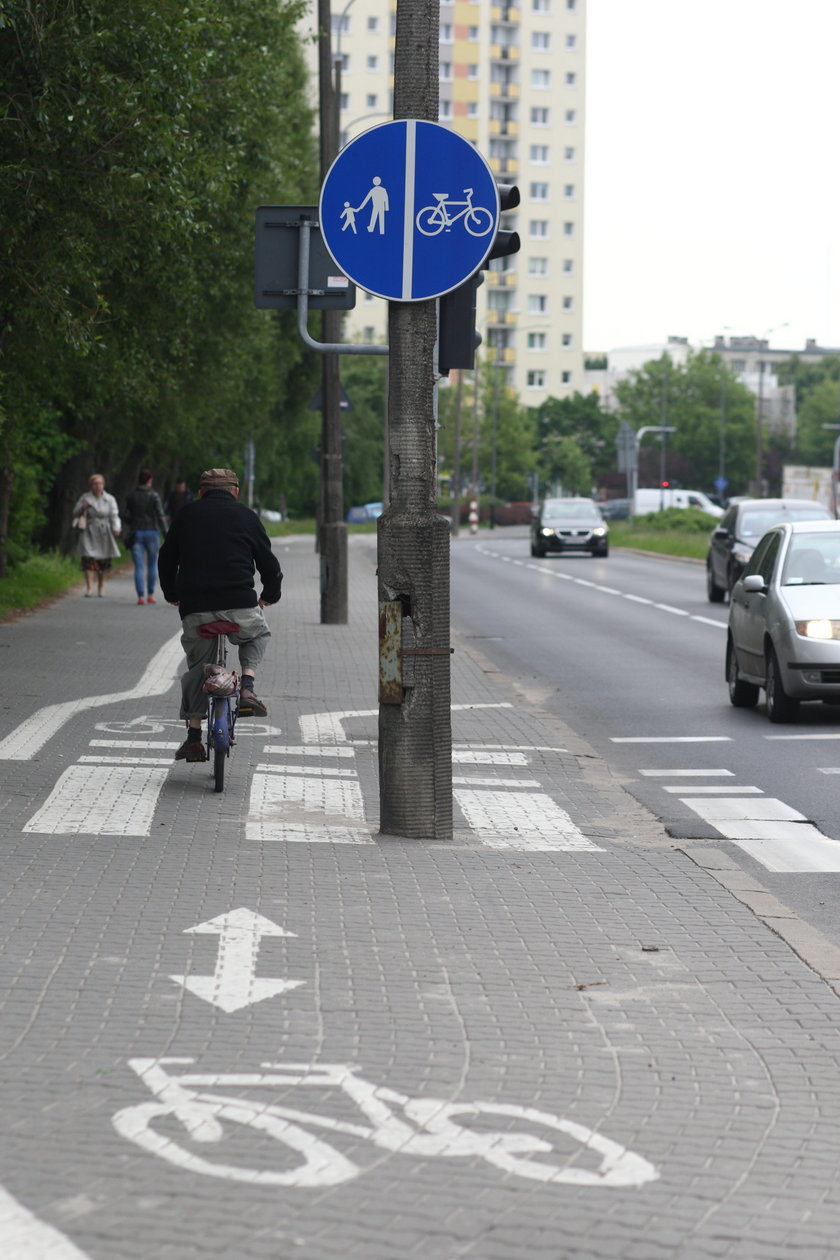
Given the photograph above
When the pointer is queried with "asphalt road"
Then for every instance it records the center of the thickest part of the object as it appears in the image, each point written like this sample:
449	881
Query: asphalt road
630	653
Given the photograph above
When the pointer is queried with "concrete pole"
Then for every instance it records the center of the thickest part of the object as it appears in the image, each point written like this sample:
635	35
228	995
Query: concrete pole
415	734
332	532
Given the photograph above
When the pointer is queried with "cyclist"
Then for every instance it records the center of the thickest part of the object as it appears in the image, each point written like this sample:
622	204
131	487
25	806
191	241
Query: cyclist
206	566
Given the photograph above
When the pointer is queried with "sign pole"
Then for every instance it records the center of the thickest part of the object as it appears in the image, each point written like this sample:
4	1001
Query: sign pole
332	530
415	734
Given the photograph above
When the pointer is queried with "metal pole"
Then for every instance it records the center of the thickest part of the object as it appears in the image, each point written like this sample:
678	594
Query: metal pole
759	494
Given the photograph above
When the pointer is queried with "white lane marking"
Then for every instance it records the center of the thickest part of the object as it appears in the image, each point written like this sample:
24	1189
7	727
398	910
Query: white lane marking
327	728
710	788
308	750
24	1237
520	820
234	983
98	760
796	848
684	774
100	800
767	809
471	757
134	743
826	735
306	809
671	739
30	736
607	590
828	769
475	781
335	772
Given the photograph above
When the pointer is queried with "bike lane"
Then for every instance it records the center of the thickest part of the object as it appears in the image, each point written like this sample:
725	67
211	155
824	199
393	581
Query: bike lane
215	1041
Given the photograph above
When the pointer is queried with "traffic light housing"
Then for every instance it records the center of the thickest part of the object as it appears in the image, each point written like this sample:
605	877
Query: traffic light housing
458	337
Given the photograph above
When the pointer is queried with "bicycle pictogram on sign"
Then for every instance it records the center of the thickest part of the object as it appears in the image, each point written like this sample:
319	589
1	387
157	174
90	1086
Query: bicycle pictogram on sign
433	219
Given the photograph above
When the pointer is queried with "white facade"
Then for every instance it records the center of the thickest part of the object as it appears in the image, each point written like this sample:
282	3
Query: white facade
512	82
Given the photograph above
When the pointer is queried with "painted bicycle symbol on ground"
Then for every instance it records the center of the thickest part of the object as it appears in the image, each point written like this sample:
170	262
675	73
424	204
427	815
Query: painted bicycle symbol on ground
431	220
423	1127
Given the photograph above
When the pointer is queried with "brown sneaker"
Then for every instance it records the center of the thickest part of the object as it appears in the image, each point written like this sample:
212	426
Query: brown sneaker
250	706
191	750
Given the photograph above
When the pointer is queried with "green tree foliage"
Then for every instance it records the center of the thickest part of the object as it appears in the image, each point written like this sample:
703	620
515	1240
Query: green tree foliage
494	425
365	381
581	422
820	406
697	398
138	138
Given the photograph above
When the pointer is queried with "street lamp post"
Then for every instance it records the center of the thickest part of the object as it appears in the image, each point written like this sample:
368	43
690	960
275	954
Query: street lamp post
759	424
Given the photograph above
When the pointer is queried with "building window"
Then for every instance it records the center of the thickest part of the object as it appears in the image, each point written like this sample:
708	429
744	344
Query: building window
536	380
344	100
568	266
571	117
538	153
537	266
571	41
445	109
373	23
372	100
472	34
538	229
566	378
536	341
569	192
446	32
372	62
445	72
571	78
472	109
540	41
540	6
567	341
538	192
341	25
344	61
537	304
569	153
539	116
571	5
540	79
472	71
568	228
567	303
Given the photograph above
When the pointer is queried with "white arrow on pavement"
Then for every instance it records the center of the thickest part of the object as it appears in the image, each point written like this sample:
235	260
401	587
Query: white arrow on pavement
234	983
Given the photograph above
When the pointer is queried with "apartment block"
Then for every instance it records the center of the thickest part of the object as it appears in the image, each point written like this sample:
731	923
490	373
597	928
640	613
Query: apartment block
512	82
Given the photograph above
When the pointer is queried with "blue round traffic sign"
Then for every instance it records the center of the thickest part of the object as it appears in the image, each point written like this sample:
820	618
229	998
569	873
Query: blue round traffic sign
409	210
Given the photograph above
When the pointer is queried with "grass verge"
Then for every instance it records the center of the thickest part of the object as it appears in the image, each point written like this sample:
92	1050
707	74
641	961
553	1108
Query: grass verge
41	578
676	532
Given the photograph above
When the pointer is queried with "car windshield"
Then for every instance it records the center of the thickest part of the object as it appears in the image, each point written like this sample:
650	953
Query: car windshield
756	523
571	510
813	560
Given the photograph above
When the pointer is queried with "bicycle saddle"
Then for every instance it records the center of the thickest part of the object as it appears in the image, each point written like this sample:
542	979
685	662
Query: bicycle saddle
212	629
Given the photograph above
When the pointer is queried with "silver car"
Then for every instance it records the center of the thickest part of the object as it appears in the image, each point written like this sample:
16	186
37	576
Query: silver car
784	620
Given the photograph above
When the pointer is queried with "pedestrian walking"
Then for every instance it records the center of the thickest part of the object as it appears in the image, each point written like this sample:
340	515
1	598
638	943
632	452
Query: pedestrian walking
144	524
96	518
206	565
177	498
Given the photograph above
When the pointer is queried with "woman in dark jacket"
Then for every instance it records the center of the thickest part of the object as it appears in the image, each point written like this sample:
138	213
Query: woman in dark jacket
144	523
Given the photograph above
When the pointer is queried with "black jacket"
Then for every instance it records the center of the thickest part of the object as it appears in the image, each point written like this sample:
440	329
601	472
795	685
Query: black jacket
208	558
143	510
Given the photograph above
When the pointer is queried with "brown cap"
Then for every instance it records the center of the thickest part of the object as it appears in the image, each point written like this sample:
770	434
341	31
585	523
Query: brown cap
218	479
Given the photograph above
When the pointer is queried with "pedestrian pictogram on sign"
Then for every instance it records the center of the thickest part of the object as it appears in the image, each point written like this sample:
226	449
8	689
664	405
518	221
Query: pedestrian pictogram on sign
409	210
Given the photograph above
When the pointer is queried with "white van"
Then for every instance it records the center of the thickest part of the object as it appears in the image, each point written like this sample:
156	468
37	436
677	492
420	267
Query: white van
654	500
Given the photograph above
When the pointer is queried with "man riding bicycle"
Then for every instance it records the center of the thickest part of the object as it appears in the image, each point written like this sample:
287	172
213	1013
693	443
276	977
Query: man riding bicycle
206	566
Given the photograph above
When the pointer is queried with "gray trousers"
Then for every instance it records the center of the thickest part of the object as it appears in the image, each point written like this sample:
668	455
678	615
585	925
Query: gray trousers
251	640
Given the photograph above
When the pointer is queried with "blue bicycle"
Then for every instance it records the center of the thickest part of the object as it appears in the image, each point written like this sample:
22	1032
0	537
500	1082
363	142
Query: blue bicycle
222	687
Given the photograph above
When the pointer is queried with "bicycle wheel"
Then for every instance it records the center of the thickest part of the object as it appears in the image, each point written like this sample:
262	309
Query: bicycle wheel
478	221
430	220
220	741
322	1164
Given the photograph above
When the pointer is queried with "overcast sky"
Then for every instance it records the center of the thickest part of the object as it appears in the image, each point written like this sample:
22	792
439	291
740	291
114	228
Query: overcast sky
713	171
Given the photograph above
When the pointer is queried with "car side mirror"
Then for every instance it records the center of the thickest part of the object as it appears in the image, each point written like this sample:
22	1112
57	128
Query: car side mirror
721	533
755	582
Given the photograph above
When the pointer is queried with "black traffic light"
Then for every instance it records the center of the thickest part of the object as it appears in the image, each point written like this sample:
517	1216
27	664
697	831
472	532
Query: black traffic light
458	337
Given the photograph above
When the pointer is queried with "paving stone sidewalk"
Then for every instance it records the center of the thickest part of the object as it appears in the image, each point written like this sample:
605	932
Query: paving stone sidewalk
591	1050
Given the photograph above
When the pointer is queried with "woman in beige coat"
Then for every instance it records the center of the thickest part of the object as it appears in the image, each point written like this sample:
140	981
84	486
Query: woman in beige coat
97	521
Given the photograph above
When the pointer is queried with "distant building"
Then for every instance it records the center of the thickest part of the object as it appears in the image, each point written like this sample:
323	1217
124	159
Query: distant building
512	82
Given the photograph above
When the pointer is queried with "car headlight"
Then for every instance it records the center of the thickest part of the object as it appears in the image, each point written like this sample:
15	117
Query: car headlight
599	532
819	628
546	533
